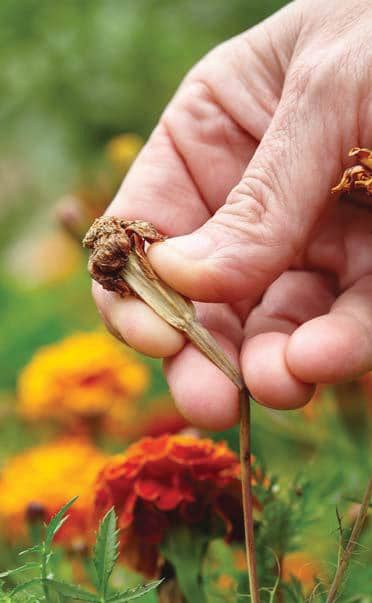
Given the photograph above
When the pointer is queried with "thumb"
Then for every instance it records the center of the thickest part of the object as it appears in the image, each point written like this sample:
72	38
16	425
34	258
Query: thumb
268	217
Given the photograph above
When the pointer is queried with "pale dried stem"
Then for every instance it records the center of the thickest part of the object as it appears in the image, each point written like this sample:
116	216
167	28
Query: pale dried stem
352	542
247	480
179	312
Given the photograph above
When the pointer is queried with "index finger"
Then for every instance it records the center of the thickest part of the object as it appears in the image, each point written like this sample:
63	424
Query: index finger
159	189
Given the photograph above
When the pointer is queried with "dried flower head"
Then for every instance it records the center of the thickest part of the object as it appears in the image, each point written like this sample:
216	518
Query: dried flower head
35	484
359	177
111	240
159	483
85	376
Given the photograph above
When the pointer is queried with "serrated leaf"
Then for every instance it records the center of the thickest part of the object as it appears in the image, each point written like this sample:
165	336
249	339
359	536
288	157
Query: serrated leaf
106	550
72	591
57	522
134	593
21	568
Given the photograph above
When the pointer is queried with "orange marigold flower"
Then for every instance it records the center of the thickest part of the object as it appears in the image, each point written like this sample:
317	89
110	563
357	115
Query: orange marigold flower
165	481
122	150
87	376
35	484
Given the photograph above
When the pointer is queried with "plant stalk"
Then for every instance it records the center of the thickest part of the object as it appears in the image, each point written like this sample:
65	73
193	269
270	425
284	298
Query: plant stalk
246	469
348	551
44	574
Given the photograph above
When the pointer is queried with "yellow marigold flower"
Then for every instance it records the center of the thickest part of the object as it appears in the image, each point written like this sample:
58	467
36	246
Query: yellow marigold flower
122	150
38	482
86	376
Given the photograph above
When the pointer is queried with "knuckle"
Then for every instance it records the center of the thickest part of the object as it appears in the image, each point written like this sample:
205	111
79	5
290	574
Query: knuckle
248	200
247	208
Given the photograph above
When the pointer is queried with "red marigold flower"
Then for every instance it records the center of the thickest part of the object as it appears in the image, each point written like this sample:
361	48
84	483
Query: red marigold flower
162	482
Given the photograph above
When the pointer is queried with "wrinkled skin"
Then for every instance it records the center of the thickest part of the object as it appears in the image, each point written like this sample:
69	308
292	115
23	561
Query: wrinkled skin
238	173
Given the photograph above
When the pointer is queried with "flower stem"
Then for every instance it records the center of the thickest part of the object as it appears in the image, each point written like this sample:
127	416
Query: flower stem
246	469
348	551
44	573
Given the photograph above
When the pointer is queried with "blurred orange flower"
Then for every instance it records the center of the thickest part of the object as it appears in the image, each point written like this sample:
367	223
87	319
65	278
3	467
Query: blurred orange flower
158	418
165	481
87	376
302	566
123	149
38	482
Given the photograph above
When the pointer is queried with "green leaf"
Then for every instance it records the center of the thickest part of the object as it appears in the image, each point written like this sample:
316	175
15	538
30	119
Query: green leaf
25	586
33	549
21	568
57	522
106	550
134	593
72	592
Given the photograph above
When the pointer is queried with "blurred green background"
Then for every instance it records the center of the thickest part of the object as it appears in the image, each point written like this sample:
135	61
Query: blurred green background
74	74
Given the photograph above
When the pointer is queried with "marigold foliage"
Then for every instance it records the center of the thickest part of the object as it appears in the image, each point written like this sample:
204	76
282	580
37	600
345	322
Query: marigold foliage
42	479
169	481
85	376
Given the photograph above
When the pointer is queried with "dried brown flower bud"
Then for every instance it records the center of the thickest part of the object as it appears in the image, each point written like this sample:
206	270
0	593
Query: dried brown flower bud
111	241
357	179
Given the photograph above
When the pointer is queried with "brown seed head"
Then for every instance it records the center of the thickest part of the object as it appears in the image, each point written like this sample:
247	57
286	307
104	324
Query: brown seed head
111	240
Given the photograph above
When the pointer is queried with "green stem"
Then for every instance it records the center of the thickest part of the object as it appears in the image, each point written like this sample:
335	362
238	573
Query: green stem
191	587
44	573
185	550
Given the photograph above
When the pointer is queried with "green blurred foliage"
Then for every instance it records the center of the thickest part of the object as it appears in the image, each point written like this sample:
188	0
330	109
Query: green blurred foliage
72	75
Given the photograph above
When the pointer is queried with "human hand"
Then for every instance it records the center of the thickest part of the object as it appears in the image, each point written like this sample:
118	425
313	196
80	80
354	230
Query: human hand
238	173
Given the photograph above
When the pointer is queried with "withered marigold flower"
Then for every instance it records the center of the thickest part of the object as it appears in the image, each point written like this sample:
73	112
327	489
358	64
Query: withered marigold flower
87	376
160	483
123	149
357	180
35	484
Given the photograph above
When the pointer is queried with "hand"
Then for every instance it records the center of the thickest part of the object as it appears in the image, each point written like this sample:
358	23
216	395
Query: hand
238	173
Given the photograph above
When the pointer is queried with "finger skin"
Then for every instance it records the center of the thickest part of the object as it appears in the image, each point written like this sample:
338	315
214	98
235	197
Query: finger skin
267	375
338	346
294	298
203	394
144	330
136	323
